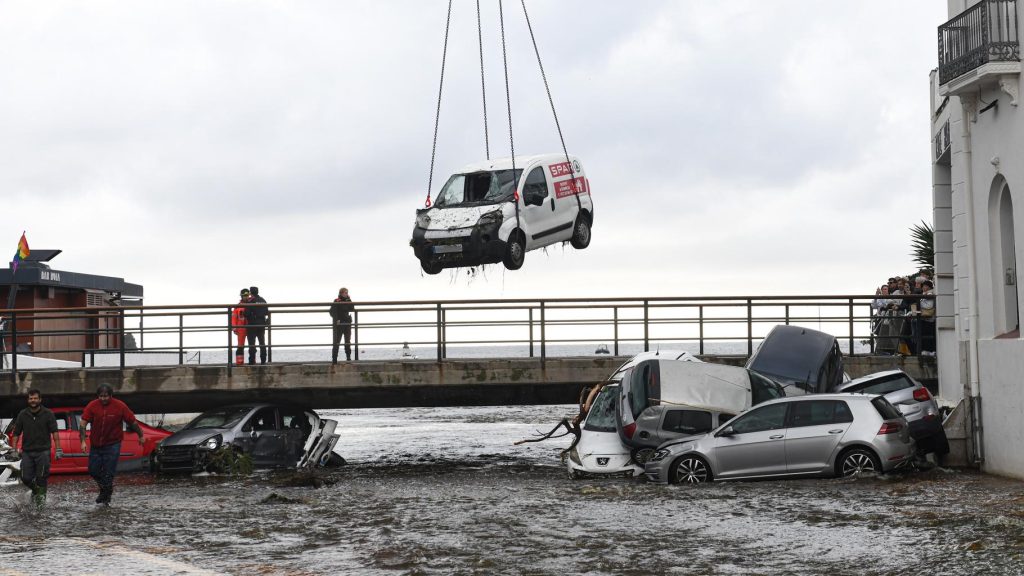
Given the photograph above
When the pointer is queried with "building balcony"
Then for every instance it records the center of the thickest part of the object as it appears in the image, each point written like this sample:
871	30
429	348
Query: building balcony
980	47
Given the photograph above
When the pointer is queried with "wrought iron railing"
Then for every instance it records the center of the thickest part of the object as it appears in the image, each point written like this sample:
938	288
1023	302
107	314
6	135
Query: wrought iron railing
302	332
986	32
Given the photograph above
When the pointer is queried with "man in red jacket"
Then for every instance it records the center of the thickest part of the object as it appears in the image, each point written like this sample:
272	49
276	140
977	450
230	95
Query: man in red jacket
105	415
238	325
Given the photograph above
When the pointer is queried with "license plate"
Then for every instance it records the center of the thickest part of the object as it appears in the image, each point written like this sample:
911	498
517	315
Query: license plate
447	248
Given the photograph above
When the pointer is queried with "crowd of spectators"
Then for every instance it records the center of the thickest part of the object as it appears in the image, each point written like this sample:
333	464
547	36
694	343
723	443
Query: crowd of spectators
903	325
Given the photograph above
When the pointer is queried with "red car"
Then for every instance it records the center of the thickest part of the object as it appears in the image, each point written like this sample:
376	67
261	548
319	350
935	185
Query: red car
133	456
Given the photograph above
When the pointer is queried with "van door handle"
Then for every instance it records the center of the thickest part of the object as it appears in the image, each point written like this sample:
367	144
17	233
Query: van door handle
837	431
776	437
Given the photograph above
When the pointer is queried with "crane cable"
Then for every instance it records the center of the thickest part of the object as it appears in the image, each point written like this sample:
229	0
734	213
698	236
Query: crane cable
508	101
437	115
572	171
483	85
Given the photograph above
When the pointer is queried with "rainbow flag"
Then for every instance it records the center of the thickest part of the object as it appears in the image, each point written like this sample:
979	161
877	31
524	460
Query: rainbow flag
20	254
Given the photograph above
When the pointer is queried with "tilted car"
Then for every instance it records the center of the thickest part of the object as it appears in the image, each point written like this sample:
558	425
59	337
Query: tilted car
10	464
813	435
913	400
486	213
69	419
802	360
665	399
274	436
600	451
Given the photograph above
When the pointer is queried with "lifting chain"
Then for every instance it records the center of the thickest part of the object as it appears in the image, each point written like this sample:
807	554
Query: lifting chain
437	115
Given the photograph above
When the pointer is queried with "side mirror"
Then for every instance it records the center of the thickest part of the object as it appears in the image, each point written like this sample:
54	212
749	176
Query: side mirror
727	431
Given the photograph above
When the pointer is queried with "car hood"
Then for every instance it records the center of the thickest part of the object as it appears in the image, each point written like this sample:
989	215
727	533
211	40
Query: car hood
684	440
192	437
458	217
603	443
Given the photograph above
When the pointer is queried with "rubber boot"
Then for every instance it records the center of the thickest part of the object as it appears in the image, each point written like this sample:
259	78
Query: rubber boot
39	495
239	360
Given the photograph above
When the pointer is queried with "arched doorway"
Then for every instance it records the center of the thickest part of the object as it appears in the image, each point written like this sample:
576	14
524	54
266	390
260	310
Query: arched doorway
1006	314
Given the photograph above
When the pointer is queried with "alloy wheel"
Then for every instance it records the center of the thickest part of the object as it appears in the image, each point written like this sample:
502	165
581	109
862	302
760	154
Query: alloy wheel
691	471
858	462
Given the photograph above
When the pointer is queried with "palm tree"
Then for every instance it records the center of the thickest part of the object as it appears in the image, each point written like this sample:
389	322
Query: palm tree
923	246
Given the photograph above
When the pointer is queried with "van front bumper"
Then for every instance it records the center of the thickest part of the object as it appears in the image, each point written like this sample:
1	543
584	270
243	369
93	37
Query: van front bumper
479	245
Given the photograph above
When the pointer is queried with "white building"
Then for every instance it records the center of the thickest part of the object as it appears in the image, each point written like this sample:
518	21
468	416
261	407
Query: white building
978	202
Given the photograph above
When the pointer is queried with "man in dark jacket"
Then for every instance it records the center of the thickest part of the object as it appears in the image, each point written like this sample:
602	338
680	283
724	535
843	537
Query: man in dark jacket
36	424
107	417
341	319
257	318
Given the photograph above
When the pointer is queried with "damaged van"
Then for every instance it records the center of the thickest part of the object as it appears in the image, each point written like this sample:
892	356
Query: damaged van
488	213
662	400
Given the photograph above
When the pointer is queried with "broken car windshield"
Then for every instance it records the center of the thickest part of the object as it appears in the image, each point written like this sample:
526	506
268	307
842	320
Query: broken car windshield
478	188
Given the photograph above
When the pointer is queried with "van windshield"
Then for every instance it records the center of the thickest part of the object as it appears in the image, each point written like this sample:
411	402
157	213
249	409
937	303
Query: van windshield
478	188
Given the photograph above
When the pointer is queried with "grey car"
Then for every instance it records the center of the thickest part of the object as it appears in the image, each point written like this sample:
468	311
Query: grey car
813	435
913	400
275	436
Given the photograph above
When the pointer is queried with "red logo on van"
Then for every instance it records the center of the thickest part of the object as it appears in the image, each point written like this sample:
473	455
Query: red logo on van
561	169
570	187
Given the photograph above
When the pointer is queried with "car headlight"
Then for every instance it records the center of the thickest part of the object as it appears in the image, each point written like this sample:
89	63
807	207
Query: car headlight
422	219
659	455
575	457
211	443
492	218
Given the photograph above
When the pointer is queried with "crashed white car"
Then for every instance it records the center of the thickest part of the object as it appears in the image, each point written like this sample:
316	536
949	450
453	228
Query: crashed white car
478	217
600	451
10	464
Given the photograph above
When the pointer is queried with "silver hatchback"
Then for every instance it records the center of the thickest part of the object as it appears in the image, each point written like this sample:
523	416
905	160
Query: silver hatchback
817	435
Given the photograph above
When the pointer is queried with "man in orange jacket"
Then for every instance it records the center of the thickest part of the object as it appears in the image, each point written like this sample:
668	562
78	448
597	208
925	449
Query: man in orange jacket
238	326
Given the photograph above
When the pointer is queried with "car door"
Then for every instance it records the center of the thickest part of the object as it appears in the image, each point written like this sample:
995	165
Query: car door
296	428
815	428
265	438
544	224
74	459
68	444
757	445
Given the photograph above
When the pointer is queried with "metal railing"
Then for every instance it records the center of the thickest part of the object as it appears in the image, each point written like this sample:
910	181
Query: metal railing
986	32
300	332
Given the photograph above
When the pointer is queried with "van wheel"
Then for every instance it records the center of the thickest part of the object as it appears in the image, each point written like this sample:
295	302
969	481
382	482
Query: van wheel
580	233
430	267
689	470
515	251
858	461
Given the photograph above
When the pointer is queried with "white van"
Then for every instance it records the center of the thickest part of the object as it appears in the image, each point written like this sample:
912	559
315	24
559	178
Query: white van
475	218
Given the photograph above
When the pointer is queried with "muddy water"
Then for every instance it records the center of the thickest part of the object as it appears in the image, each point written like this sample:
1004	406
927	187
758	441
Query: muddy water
443	491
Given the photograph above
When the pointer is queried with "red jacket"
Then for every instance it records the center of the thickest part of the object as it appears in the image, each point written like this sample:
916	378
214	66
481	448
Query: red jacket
238	319
106	421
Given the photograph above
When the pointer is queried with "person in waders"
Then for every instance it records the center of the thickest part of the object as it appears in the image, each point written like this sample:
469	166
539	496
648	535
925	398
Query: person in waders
238	326
36	424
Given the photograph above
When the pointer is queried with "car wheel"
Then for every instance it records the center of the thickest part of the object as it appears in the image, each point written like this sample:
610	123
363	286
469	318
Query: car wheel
430	267
689	470
515	251
858	461
581	233
640	456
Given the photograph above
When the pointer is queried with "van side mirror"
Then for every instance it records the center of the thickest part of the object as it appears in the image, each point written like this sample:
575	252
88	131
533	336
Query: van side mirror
727	431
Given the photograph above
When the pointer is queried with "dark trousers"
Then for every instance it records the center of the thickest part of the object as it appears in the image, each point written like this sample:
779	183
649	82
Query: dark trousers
342	329
103	464
35	468
252	334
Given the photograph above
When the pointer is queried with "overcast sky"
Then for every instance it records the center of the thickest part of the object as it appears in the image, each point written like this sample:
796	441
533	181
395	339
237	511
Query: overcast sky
733	148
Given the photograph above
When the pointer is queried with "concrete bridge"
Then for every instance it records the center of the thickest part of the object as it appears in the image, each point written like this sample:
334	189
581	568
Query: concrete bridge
363	384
